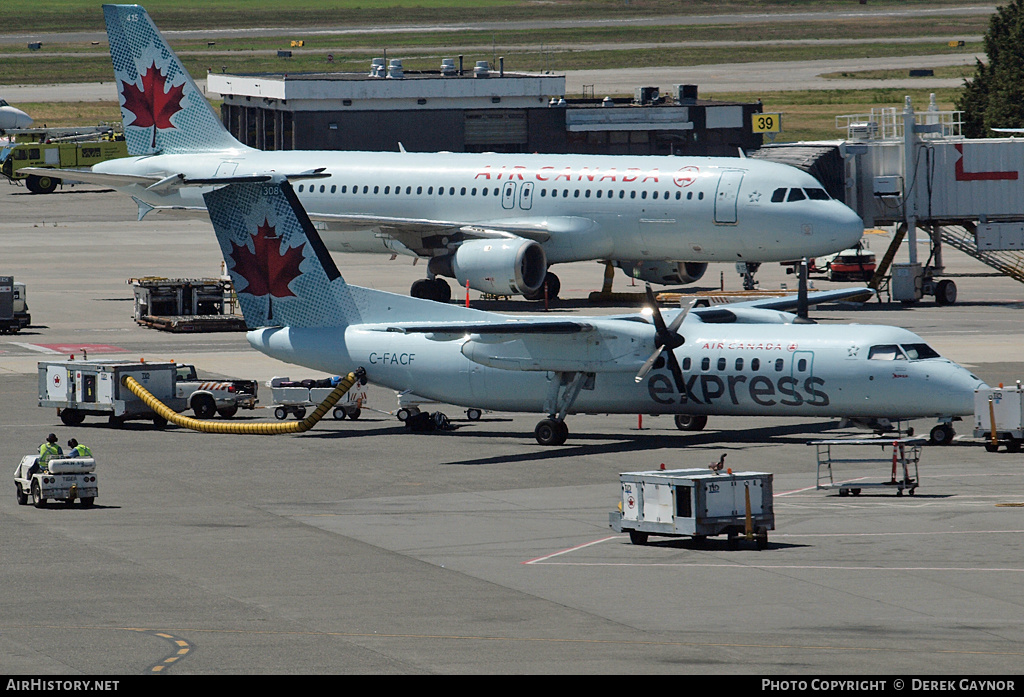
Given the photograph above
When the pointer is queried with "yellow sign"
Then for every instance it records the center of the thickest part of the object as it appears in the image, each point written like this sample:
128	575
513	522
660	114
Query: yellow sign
767	123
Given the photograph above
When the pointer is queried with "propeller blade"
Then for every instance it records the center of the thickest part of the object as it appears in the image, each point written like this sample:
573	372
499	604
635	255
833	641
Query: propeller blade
659	321
648	364
677	372
678	320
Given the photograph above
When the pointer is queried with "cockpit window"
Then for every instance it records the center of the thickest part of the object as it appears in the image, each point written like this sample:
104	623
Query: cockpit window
918	351
817	194
886	352
779	195
796	195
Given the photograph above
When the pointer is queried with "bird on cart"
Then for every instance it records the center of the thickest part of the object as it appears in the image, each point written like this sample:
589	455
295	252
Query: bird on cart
717	467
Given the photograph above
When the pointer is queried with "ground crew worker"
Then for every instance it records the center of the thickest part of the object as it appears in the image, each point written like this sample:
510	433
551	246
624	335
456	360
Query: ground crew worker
47	451
78	450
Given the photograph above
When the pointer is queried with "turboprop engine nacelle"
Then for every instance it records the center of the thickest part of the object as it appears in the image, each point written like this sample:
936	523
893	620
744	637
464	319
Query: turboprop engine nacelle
500	266
670	273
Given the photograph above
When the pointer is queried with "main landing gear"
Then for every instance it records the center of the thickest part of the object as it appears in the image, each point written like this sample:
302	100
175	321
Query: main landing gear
564	390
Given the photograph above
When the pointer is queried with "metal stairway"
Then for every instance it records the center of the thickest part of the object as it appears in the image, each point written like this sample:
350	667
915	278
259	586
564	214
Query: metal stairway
1007	262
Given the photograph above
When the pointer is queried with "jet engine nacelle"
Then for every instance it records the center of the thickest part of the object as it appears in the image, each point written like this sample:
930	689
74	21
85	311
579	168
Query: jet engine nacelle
500	266
664	272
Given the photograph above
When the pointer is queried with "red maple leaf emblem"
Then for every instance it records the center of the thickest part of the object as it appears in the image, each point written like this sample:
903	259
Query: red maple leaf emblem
154	104
267	271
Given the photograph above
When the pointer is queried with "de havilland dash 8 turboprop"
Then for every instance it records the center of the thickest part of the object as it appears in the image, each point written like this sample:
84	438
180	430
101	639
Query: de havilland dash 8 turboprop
493	221
748	360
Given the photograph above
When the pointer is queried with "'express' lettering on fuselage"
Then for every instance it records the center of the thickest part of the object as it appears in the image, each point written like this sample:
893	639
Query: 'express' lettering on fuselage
391	358
705	389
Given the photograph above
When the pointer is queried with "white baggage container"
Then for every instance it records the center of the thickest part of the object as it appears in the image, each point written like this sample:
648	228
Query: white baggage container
695	502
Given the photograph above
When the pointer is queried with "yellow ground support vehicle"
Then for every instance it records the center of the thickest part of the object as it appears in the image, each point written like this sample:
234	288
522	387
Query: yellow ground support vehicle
52	148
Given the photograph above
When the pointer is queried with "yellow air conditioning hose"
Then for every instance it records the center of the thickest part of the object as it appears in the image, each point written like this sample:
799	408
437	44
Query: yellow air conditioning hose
266	429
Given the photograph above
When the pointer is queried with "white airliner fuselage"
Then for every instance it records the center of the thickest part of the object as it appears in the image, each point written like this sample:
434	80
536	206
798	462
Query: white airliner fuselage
579	207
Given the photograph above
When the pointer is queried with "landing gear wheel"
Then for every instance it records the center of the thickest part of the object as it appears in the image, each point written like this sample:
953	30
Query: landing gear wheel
473	414
941	435
280	413
71	417
637	537
691	422
436	289
551	432
228	412
204	407
553	284
41	185
945	292
37	496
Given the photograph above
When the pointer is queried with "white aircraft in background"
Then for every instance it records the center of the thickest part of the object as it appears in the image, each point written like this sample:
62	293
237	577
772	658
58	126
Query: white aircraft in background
493	221
12	117
742	360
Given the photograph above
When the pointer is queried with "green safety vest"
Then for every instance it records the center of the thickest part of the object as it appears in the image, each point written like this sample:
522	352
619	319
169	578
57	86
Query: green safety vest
47	451
83	451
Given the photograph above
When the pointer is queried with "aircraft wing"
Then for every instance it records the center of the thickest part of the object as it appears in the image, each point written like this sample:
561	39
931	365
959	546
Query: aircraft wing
775	310
540	345
419	234
90	177
495	331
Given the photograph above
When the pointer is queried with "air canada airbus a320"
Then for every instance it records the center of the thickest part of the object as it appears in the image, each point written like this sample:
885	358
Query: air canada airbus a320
744	360
493	221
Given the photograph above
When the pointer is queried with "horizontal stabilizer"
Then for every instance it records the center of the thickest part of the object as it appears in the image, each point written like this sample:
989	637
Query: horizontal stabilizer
90	177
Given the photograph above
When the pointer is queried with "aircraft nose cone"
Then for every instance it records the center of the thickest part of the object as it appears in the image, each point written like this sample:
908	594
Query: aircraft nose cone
23	120
849	228
960	388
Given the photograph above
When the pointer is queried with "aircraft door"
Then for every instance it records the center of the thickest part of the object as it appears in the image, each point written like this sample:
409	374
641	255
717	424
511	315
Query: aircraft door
802	366
526	196
508	195
726	196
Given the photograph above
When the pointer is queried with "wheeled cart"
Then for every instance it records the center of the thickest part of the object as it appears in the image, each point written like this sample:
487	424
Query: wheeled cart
294	397
696	503
905	454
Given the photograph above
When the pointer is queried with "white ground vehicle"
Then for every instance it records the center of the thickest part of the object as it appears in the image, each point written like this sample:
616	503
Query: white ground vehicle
64	479
80	388
209	397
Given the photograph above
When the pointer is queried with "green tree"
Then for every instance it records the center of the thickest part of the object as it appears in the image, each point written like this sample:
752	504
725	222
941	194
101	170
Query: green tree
994	98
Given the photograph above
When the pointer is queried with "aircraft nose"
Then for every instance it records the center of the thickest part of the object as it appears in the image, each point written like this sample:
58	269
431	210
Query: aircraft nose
959	387
22	120
848	227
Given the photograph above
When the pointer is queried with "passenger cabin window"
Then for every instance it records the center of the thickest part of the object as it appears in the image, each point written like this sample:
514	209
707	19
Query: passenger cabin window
755	364
721	364
886	352
779	364
705	364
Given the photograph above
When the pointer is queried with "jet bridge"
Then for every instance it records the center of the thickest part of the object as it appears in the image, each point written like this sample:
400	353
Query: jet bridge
915	170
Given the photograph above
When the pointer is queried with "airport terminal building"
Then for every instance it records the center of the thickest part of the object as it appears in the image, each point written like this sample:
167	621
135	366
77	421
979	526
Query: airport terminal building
473	110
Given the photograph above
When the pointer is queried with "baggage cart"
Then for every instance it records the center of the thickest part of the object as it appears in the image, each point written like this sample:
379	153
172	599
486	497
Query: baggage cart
697	503
902	462
295	396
